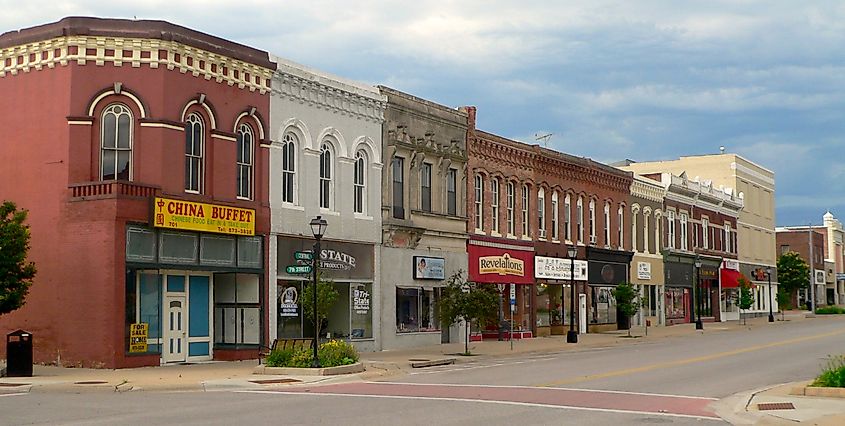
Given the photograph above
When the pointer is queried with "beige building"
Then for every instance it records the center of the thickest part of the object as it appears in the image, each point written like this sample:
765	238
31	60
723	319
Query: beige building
749	181
647	265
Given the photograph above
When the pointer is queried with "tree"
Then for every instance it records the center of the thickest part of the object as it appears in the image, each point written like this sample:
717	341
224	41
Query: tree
793	273
628	301
326	296
468	301
16	273
746	300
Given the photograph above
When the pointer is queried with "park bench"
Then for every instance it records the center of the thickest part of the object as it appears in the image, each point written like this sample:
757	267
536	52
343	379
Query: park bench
285	344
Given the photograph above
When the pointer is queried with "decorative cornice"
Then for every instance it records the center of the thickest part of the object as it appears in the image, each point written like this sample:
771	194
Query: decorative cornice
318	94
133	52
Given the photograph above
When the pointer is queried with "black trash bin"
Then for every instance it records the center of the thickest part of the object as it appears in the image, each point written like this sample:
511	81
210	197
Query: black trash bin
19	354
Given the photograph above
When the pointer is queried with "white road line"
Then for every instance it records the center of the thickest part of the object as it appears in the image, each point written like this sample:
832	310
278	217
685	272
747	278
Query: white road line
14	394
544	387
485	401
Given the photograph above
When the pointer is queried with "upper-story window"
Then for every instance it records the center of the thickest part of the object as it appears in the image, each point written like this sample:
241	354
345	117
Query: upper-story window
425	187
525	206
116	143
705	233
494	203
567	218
606	224
684	234
728	238
451	192
245	160
541	217
593	237
657	234
479	199
579	217
194	152
511	200
646	218
554	216
619	229
326	175
360	182
635	211
289	168
670	229
398	167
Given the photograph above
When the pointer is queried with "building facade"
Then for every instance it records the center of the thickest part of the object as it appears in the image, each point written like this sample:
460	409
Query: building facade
809	242
646	214
325	160
835	253
423	217
145	181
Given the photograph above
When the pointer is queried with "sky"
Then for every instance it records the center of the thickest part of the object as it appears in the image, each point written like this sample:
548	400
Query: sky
610	80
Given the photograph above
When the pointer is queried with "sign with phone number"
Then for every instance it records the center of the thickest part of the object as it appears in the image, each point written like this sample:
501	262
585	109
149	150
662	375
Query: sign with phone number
203	217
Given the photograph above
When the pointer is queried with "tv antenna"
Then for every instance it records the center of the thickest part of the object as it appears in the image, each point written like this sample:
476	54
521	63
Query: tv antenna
544	138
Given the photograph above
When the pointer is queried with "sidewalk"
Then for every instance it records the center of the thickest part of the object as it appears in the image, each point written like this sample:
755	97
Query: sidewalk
745	409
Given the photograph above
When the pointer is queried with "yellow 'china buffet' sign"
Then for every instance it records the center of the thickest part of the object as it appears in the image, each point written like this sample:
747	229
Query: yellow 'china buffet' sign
190	216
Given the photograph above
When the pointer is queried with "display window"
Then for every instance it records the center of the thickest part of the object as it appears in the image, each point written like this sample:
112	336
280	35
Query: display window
675	306
417	310
603	305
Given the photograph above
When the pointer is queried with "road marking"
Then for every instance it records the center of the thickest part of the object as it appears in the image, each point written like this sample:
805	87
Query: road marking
14	394
680	362
523	404
549	388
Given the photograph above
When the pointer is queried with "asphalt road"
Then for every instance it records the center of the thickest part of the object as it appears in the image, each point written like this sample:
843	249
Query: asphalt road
671	381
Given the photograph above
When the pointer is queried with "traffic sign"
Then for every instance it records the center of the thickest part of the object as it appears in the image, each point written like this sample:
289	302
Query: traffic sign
303	255
298	269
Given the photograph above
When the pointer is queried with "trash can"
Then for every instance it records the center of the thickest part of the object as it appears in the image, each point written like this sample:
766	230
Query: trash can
19	354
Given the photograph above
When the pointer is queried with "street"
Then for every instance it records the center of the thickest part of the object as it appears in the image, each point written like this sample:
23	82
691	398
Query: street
676	380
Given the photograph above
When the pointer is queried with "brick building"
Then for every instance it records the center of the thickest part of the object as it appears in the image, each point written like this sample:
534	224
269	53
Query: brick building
138	149
797	239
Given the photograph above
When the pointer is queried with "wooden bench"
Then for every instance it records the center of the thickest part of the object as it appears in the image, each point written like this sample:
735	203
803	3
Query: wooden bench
285	344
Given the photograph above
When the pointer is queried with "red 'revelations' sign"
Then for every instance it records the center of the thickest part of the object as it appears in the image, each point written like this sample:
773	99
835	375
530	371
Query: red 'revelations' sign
497	265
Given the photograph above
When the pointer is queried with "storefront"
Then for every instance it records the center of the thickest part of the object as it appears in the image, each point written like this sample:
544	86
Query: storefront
554	293
708	289
647	274
606	270
509	264
193	284
729	276
349	267
679	271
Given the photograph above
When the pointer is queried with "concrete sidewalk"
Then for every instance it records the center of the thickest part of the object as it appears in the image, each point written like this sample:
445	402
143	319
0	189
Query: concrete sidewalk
745	408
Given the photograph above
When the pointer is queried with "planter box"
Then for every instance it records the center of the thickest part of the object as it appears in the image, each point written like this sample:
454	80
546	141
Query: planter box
292	371
818	391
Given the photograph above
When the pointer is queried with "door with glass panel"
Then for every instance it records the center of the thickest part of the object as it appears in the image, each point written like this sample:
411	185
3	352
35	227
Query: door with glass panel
175	342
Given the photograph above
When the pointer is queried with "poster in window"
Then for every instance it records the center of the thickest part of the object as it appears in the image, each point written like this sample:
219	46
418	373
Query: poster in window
289	302
429	268
360	301
138	337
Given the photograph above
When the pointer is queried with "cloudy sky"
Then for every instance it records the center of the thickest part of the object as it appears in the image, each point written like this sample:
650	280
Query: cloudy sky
644	80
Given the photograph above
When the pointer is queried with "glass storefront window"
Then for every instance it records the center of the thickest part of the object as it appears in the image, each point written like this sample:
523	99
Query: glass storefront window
675	308
730	298
650	295
416	310
603	305
237	313
361	311
289	323
143	305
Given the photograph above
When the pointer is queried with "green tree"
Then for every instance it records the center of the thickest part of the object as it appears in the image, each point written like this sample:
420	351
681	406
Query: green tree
746	299
468	301
326	297
793	273
16	273
628	301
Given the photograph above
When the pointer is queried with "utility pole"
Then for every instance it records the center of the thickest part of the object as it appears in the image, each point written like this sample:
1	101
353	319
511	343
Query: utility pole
812	272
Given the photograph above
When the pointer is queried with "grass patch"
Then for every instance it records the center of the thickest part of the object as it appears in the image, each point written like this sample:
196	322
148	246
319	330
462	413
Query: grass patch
833	374
830	310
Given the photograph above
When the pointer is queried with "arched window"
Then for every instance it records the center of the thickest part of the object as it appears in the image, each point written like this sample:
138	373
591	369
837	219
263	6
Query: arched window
541	217
360	182
607	224
619	229
511	202
326	174
194	150
525	202
554	216
567	218
579	217
479	198
593	237
116	143
246	151
494	205
289	168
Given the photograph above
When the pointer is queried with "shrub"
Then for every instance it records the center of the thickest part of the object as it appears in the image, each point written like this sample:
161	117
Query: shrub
833	374
828	310
337	352
279	358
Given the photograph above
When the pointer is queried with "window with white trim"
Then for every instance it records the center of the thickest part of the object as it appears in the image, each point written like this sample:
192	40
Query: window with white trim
451	192
398	166
245	160
579	217
541	218
728	238
479	199
567	218
646	216
360	182
326	176
511	202
620	238
593	221
289	168
525	206
494	204
670	236
635	210
606	224
425	187
705	234
194	152
684	234
116	143
555	214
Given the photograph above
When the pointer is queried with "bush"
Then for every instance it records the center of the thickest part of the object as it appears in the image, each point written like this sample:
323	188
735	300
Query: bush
828	310
833	374
331	354
279	358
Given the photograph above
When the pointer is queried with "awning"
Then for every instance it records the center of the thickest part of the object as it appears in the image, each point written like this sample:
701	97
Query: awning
730	278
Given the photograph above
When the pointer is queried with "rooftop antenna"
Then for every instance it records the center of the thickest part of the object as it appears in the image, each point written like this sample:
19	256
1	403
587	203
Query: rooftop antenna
722	149
544	138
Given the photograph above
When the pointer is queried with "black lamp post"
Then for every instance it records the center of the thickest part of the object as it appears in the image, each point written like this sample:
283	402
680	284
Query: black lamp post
769	275
572	335
318	228
700	299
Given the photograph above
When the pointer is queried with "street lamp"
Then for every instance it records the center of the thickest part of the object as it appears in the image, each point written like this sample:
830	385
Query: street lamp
572	335
700	299
318	228
769	275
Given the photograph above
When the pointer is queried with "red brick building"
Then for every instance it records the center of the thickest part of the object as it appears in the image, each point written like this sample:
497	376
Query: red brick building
530	203
136	146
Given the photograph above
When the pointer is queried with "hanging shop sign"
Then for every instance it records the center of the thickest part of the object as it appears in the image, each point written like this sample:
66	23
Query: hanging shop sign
289	302
500	263
429	268
138	337
555	268
202	217
643	270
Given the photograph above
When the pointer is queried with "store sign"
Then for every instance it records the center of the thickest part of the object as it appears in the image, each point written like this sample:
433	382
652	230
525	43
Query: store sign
819	276
429	268
360	301
501	265
202	217
730	264
555	268
607	273
643	270
840	276
338	260
289	302
138	337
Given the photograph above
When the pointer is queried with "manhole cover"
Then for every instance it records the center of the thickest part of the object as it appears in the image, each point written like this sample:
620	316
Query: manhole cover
274	381
11	385
91	382
775	406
